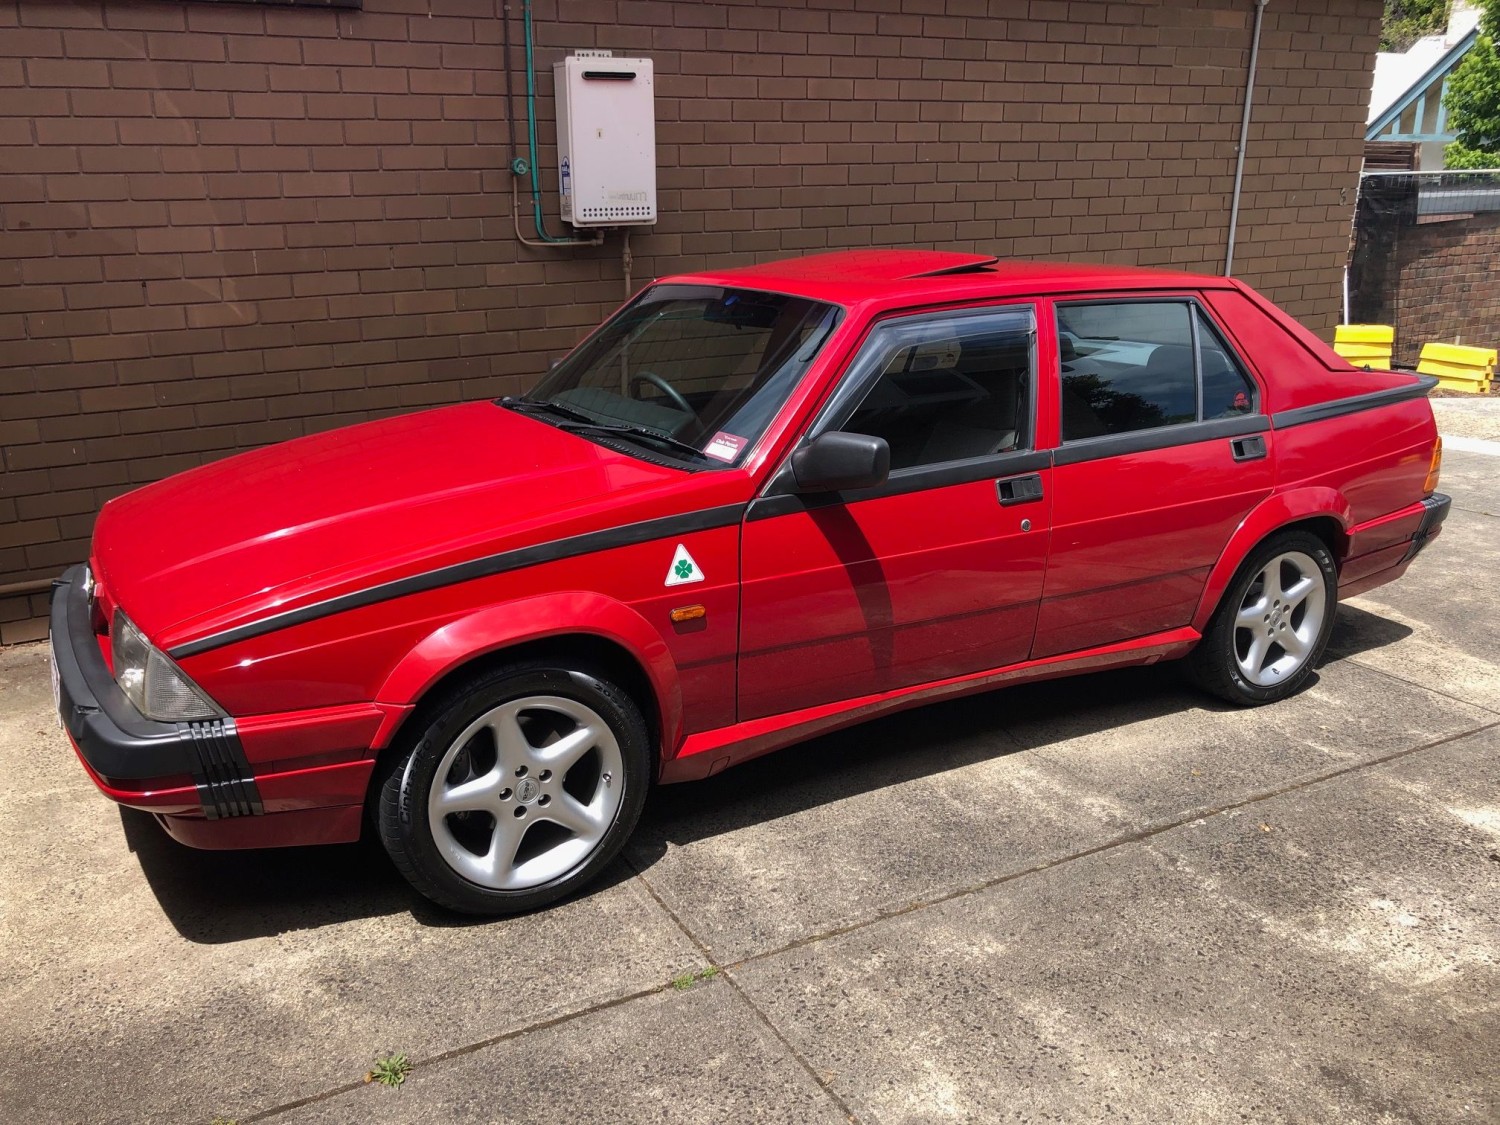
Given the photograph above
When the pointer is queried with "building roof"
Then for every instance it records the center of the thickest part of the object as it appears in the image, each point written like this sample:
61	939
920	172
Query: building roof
1416	112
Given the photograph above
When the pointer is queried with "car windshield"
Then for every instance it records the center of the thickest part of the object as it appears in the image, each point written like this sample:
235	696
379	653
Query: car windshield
692	372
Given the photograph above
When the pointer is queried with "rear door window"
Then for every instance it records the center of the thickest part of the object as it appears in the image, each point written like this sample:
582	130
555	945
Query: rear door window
1140	365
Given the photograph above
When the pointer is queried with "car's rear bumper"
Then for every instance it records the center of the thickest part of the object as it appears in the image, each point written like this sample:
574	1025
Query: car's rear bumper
1434	511
1401	537
201	778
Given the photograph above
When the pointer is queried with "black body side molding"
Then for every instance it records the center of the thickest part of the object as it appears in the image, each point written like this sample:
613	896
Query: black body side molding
490	565
1353	404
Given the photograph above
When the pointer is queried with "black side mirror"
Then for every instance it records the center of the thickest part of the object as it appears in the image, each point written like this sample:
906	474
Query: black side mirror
836	461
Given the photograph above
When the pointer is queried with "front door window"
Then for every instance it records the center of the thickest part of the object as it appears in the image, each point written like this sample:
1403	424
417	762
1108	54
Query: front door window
945	388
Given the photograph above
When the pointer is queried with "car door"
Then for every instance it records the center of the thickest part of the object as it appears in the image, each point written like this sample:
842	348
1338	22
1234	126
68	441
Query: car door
1163	451
936	573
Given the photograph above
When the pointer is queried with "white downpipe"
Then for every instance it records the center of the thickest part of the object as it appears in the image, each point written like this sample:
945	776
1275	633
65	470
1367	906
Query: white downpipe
1239	164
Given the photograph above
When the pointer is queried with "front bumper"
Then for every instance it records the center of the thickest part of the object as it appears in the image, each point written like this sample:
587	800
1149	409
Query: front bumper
124	750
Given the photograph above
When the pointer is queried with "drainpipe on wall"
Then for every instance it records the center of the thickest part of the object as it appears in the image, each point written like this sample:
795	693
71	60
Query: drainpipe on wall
1239	164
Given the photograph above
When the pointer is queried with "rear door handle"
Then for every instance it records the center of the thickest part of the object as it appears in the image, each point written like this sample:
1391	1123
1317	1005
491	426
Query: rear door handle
1249	448
1019	490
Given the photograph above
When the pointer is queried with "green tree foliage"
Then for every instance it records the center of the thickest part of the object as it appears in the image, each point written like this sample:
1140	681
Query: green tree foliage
1406	21
1458	156
1473	99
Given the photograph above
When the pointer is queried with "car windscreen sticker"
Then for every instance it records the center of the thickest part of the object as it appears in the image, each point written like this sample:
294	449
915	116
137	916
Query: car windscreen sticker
683	569
724	446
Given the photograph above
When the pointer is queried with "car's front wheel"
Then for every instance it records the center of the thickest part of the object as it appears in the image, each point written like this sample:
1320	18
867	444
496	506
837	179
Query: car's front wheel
521	786
1273	623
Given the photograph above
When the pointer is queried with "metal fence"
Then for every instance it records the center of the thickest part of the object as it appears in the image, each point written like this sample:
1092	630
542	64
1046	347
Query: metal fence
1426	258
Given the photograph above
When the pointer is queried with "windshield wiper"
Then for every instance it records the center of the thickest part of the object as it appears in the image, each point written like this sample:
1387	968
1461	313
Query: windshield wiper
634	432
578	422
531	405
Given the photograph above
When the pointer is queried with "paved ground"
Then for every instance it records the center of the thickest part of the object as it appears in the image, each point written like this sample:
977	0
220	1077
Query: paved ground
1471	416
1101	899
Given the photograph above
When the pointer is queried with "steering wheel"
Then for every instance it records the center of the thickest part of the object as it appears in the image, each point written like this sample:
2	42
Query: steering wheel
673	395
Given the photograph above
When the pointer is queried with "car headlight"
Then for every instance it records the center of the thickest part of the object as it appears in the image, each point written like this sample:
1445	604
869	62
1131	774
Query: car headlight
154	685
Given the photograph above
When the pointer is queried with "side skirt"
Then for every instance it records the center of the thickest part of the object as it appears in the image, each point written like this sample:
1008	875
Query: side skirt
708	752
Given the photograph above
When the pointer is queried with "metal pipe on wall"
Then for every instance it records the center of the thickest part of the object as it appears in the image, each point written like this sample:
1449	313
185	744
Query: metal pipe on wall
1239	164
518	166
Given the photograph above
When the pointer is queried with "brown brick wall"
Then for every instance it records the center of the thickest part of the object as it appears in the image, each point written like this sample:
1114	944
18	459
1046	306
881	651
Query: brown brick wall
223	225
1447	285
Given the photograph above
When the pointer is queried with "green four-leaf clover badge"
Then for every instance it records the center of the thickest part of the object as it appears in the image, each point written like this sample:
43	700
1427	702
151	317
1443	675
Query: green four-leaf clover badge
683	568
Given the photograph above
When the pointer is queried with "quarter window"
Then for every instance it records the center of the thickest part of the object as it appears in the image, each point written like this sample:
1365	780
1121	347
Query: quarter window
1227	391
1139	365
950	388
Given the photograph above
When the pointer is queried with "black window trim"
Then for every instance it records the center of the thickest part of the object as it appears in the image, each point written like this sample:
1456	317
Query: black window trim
1197	369
1115	445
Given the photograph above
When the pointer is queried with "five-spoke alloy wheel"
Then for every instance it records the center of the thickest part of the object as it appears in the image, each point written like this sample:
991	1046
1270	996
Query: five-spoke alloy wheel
522	787
1273	623
1280	619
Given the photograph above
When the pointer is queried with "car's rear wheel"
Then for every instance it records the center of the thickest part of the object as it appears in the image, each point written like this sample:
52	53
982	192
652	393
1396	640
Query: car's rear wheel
1272	625
520	788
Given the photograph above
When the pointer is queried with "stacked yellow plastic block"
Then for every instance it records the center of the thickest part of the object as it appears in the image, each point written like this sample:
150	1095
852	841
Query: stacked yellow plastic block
1365	345
1459	368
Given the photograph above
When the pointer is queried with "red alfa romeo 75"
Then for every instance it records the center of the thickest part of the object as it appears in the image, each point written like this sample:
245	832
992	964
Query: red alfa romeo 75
754	505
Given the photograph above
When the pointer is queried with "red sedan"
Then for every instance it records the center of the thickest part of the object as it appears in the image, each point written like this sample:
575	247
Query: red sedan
755	505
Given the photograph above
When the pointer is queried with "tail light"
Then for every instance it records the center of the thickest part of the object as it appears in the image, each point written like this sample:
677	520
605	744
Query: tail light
1434	470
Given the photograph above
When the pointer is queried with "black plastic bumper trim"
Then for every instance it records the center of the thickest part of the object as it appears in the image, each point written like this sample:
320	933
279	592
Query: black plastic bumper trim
117	741
1435	511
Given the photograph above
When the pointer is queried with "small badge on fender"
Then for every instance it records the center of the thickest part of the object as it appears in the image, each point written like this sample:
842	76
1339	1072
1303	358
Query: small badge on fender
683	569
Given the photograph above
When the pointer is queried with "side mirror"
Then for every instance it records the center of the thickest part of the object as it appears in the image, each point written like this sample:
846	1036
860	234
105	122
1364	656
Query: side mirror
836	461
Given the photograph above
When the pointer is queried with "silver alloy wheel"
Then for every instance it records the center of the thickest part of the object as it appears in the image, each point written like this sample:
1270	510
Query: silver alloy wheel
1280	619
526	792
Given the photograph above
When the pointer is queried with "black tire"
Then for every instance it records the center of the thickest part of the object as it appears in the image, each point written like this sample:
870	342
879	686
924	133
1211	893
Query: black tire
1214	665
401	809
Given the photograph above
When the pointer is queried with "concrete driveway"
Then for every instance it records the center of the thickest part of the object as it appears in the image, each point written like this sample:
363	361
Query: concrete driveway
1100	899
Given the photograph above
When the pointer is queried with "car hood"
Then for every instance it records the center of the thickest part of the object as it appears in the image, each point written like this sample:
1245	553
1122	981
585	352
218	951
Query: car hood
337	512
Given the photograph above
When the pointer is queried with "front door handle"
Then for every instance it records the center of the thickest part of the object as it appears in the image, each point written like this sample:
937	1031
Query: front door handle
1019	490
1251	448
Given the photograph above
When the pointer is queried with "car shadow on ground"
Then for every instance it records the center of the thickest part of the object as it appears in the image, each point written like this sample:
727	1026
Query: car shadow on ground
223	896
212	897
1358	630
215	897
921	743
930	740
